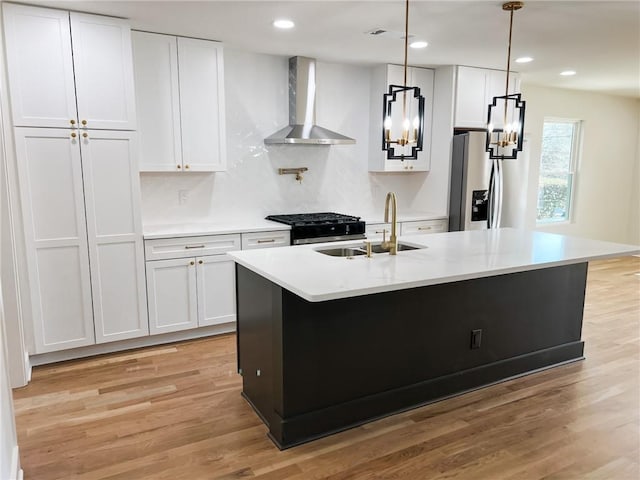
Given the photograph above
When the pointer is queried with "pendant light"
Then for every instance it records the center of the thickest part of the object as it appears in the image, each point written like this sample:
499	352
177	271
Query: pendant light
403	114
505	119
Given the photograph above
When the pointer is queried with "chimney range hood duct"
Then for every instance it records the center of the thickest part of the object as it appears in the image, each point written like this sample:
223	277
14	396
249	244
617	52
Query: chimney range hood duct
302	129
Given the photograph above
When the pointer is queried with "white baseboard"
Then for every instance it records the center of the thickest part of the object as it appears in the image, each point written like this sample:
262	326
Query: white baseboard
122	345
16	472
27	366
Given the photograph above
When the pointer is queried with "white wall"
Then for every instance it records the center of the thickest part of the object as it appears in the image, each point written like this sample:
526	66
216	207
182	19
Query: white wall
338	178
9	458
607	181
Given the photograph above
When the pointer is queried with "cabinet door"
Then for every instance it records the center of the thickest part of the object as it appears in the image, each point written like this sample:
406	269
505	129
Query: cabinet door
171	291
423	78
103	72
40	66
375	231
381	79
202	105
424	226
216	290
114	230
50	176
471	98
496	83
155	62
279	238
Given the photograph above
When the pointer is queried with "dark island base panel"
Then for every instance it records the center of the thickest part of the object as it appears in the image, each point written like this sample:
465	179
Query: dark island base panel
312	369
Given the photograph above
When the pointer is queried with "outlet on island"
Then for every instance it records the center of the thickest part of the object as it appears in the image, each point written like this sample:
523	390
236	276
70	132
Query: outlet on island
476	338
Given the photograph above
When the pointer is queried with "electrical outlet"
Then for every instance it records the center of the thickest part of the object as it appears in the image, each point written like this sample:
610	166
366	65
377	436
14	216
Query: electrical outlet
183	196
476	338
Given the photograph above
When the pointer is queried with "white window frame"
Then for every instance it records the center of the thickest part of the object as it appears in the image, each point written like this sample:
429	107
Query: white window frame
576	155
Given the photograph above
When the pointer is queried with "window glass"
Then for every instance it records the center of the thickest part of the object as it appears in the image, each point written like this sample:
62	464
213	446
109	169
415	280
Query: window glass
557	170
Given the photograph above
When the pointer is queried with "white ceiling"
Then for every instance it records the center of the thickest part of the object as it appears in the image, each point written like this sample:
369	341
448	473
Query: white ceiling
598	39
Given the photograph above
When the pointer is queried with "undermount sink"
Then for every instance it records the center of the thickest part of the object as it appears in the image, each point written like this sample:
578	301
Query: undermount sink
377	248
343	252
354	251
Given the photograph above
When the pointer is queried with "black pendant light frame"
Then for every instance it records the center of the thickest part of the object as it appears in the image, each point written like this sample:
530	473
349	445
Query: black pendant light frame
491	144
388	100
493	141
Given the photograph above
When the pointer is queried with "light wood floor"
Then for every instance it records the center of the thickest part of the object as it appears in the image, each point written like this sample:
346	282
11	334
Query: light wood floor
175	412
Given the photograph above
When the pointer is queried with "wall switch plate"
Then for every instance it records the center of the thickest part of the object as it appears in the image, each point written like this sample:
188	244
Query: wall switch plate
476	338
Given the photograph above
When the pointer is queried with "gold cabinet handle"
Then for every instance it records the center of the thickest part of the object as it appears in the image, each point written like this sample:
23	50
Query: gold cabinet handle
73	135
186	167
192	262
271	240
425	228
72	122
84	122
200	262
178	167
85	135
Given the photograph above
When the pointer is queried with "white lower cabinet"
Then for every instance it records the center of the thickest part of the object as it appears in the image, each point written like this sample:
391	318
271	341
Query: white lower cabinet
171	293
189	291
191	281
424	226
80	201
376	231
216	280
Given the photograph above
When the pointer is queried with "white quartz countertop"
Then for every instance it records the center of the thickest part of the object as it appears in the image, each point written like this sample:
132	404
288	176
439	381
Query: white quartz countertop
197	229
447	257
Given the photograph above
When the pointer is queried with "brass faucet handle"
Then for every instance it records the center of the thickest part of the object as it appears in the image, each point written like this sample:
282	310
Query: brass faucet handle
384	236
367	244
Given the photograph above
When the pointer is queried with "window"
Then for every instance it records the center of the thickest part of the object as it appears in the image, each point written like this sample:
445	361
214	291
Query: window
560	149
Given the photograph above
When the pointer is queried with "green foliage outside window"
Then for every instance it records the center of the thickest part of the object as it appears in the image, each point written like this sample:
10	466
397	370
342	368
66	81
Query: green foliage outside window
556	171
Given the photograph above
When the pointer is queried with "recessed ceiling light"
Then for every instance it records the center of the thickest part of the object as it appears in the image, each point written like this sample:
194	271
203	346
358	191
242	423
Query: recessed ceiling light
283	23
419	44
524	60
568	73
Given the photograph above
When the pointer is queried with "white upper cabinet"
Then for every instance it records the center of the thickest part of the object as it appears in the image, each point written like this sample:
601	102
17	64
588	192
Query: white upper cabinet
180	99
200	68
158	101
475	89
41	63
382	77
40	66
103	72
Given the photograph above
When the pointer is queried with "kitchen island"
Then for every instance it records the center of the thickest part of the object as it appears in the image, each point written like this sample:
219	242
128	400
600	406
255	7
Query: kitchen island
326	343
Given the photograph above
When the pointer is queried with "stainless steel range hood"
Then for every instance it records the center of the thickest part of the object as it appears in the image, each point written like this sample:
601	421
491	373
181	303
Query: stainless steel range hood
302	128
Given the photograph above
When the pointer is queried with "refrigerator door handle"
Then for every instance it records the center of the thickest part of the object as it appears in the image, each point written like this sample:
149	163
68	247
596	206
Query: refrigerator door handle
491	195
494	212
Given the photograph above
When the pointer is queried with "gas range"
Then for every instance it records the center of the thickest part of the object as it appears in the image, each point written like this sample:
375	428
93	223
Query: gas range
321	227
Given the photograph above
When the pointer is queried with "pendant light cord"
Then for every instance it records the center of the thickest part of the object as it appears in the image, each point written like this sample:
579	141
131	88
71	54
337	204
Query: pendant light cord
406	40
509	51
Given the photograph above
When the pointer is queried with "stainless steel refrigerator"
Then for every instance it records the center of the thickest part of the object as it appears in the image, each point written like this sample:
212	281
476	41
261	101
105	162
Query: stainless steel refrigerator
485	193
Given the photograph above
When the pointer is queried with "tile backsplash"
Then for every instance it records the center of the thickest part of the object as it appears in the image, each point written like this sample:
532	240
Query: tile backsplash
256	99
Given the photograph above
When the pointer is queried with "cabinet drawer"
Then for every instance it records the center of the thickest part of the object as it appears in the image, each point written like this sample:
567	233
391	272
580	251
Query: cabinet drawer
425	226
374	230
270	239
164	248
